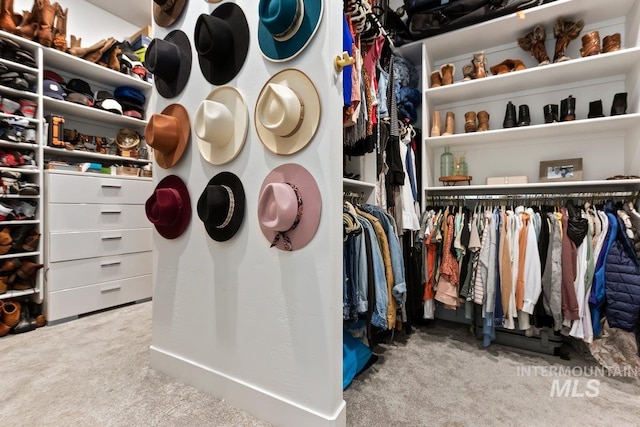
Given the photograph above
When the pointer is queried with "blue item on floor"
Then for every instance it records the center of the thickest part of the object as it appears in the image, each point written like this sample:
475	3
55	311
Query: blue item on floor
355	356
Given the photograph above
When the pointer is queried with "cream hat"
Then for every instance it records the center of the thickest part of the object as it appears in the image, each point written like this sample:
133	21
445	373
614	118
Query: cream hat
221	125
287	113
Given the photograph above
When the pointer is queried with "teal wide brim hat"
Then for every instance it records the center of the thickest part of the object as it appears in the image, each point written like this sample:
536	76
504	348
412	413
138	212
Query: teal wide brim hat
287	26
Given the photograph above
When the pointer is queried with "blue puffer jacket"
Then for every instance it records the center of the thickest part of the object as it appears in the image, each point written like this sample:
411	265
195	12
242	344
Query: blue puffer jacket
622	281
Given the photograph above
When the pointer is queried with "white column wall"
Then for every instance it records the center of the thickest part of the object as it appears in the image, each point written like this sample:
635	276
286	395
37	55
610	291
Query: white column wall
258	327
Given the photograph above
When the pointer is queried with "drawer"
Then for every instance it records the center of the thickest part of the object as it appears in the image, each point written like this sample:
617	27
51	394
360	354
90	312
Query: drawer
89	244
91	189
71	302
85	217
82	272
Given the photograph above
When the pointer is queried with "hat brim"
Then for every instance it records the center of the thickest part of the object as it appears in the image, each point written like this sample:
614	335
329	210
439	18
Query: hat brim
171	88
177	228
167	19
166	161
233	182
302	85
234	101
278	51
219	71
312	204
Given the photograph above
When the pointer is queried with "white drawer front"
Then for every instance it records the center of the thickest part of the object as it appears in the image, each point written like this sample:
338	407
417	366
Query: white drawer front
90	189
71	302
89	244
82	272
81	217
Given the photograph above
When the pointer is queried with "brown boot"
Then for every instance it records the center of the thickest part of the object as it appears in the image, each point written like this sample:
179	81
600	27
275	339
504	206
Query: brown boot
75	42
611	43
436	124
446	73
436	80
11	313
31	241
114	62
82	51
4	329
483	121
60	32
470	121
3	287
94	55
449	124
47	16
28	269
5	236
480	65
28	28
6	17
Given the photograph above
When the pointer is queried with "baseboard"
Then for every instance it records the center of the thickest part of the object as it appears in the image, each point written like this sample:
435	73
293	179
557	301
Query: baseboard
257	402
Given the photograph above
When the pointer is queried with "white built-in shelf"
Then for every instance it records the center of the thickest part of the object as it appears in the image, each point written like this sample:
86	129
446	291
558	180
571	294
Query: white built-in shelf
356	184
537	132
86	70
538	187
16	93
29	45
20	222
13	116
18	66
89	155
567	72
17	294
90	113
508	28
96	174
21	170
18	145
19	255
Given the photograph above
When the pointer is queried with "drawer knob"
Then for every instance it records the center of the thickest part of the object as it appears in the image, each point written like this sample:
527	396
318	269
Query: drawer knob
107	185
110	288
111	237
110	212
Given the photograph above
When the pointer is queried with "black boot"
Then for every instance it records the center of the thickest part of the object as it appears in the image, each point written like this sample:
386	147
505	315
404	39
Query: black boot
26	323
551	113
524	119
510	116
619	105
18	235
568	109
595	109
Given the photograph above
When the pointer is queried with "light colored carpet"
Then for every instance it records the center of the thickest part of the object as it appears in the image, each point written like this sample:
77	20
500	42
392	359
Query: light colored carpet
94	372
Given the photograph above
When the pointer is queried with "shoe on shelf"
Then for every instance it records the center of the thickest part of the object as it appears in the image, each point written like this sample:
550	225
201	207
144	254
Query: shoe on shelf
25	323
11	313
9	265
5	211
5	236
4	286
23	284
19	234
28	269
31	242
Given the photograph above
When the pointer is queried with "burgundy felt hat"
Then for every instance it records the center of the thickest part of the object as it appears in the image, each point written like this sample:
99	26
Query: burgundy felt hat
169	207
289	207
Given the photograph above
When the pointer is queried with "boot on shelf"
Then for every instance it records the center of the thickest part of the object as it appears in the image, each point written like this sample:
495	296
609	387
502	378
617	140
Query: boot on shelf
565	31
436	80
75	42
611	43
595	109
533	42
4	287
436	124
60	31
28	269
446	73
550	113
483	121
113	61
524	118
10	313
510	116
479	65
82	51
30	23
95	55
7	21
47	18
590	44
619	105
25	322
568	109
470	121
468	71
450	122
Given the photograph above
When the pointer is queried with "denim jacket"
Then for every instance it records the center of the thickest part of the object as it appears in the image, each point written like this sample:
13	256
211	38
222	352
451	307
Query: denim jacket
379	316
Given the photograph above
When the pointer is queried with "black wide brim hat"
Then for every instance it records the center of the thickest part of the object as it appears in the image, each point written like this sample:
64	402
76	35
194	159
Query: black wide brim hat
235	185
170	88
220	70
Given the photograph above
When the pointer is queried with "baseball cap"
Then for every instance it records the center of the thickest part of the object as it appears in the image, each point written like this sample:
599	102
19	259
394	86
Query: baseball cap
53	89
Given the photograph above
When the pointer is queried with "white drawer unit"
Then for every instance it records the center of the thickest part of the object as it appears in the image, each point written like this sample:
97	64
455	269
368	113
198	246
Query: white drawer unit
73	217
66	188
71	302
98	242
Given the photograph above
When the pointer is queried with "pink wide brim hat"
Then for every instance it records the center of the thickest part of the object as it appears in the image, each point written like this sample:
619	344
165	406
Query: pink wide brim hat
310	196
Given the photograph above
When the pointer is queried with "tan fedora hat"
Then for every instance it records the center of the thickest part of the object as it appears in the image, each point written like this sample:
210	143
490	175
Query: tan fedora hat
168	134
221	124
166	12
287	113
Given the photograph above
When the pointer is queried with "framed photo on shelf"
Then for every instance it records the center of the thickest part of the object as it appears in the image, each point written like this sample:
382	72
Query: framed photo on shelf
561	170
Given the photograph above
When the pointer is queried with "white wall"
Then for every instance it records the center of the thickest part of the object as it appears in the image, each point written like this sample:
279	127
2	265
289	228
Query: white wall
88	21
256	326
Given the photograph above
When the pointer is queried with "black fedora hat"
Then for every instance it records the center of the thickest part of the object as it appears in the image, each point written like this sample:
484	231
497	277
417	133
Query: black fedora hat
221	206
169	60
222	42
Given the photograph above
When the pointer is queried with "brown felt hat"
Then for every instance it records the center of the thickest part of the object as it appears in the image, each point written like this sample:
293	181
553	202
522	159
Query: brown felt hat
168	134
166	12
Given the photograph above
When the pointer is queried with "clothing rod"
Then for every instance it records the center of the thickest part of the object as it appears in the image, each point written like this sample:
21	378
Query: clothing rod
534	196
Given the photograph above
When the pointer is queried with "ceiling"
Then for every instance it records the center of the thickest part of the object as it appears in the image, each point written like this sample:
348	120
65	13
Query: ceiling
137	12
